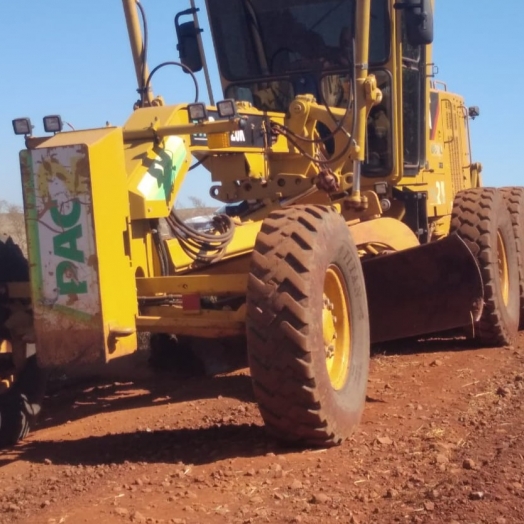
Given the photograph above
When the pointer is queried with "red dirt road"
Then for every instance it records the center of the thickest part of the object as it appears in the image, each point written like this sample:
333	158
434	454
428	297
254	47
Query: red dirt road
442	440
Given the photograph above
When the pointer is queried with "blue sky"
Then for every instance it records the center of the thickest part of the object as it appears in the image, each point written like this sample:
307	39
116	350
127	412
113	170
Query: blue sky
72	58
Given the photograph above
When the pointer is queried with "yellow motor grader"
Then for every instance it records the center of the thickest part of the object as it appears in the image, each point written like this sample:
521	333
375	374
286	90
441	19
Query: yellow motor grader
352	213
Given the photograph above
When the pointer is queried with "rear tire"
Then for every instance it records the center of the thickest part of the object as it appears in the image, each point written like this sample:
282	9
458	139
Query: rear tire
21	402
307	326
480	217
13	264
514	197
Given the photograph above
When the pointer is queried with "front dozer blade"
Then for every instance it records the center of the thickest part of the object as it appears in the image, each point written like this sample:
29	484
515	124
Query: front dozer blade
423	290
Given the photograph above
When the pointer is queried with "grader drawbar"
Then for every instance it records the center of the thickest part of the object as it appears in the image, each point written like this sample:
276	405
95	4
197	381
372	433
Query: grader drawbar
352	212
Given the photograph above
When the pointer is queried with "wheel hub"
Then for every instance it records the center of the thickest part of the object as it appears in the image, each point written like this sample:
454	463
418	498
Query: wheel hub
503	268
336	327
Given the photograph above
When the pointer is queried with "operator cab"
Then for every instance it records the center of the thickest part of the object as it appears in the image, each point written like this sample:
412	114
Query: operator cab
268	53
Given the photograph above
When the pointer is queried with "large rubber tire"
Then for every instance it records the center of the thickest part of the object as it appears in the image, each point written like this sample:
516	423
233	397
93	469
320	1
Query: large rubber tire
13	265
13	268
481	218
297	252
514	197
21	403
14	422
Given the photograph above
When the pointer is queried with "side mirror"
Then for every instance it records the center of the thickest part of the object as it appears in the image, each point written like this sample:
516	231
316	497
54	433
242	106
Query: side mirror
187	36
419	21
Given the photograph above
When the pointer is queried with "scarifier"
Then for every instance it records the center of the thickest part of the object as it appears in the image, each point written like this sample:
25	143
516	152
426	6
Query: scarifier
353	212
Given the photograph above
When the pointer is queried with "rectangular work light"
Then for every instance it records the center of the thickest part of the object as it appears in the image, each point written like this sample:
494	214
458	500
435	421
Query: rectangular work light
197	112
227	108
53	124
22	126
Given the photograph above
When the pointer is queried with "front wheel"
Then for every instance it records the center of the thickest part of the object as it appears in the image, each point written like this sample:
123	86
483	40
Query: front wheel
308	326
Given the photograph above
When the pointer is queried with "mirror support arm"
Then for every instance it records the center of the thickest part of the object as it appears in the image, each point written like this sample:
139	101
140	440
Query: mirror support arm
202	53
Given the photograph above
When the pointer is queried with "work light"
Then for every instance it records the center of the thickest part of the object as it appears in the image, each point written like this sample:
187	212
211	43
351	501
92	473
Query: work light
227	108
52	124
197	112
22	126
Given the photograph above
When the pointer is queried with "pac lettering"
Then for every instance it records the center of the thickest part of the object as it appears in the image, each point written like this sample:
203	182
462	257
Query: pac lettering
65	245
72	286
68	220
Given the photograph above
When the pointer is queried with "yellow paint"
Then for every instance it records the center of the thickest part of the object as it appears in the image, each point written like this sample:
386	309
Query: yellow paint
206	324
388	232
111	222
218	284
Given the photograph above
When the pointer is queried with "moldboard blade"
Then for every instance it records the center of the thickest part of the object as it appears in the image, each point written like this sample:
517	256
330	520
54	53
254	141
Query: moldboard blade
423	290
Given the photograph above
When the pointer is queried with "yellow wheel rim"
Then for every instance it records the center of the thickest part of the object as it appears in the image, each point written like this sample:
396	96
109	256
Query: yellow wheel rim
5	382
336	327
5	346
503	268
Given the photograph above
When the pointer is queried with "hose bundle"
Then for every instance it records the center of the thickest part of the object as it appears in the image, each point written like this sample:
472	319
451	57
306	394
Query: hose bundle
203	247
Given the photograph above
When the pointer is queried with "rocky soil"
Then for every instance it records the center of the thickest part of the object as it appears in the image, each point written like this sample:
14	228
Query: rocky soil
442	440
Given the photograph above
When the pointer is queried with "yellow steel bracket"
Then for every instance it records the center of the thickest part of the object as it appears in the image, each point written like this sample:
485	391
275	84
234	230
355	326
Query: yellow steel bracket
373	93
300	122
304	114
372	97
